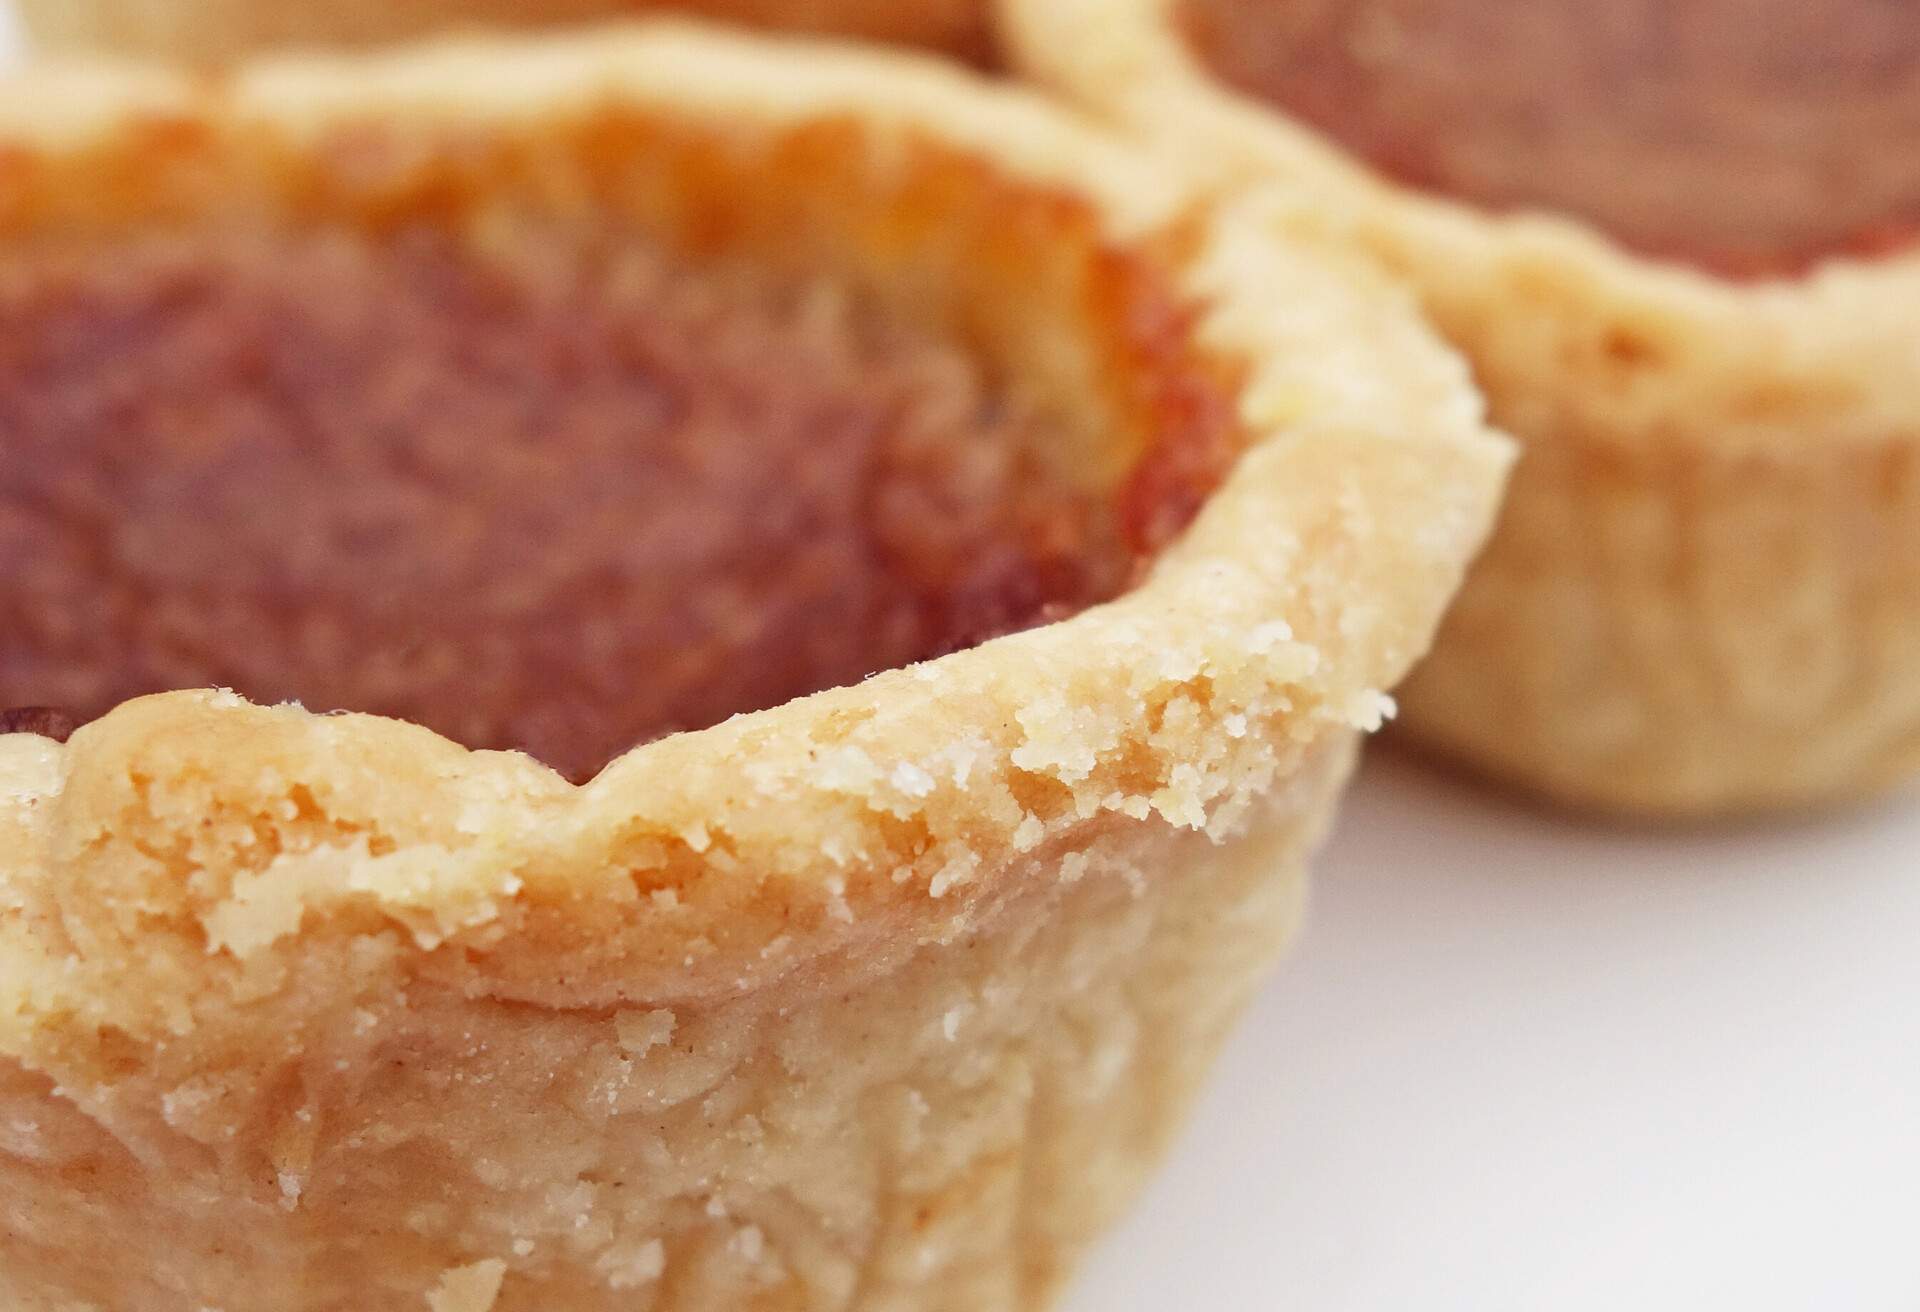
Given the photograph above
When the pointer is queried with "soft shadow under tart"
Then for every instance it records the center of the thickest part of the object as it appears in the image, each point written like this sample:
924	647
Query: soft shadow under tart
1677	243
559	393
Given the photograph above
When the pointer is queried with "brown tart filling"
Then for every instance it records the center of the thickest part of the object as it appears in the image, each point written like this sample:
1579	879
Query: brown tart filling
1749	137
545	490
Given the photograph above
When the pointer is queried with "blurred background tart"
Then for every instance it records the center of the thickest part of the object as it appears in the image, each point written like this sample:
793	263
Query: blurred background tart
217	30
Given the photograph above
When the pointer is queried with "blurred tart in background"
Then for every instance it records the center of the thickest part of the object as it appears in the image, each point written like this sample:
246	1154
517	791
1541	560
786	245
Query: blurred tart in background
220	30
1676	243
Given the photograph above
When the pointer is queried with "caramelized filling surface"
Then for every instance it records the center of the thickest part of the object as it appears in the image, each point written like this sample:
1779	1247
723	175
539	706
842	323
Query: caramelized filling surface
1750	137
563	494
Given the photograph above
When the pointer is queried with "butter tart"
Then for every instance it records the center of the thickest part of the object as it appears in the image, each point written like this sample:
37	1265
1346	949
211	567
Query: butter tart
975	555
1676	242
218	30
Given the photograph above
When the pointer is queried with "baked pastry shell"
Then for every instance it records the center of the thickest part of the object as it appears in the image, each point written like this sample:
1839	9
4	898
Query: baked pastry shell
886	997
1703	596
203	30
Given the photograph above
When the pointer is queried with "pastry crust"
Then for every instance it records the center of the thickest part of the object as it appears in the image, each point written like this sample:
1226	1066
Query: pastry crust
886	997
204	30
1704	594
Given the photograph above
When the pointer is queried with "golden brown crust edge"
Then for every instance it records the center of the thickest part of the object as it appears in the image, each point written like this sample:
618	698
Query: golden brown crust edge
944	1127
257	957
223	30
1704	595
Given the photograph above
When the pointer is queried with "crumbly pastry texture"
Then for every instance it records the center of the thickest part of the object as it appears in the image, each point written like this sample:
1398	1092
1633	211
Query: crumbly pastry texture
1704	592
224	29
885	998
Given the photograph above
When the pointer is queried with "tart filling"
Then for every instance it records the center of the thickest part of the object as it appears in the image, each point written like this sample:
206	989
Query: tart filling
545	489
1746	138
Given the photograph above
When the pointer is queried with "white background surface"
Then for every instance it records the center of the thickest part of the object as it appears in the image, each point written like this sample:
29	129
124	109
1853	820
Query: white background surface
1523	1063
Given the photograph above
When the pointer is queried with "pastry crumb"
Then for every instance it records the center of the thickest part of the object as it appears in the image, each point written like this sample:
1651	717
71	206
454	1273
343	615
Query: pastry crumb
470	1288
641	1031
